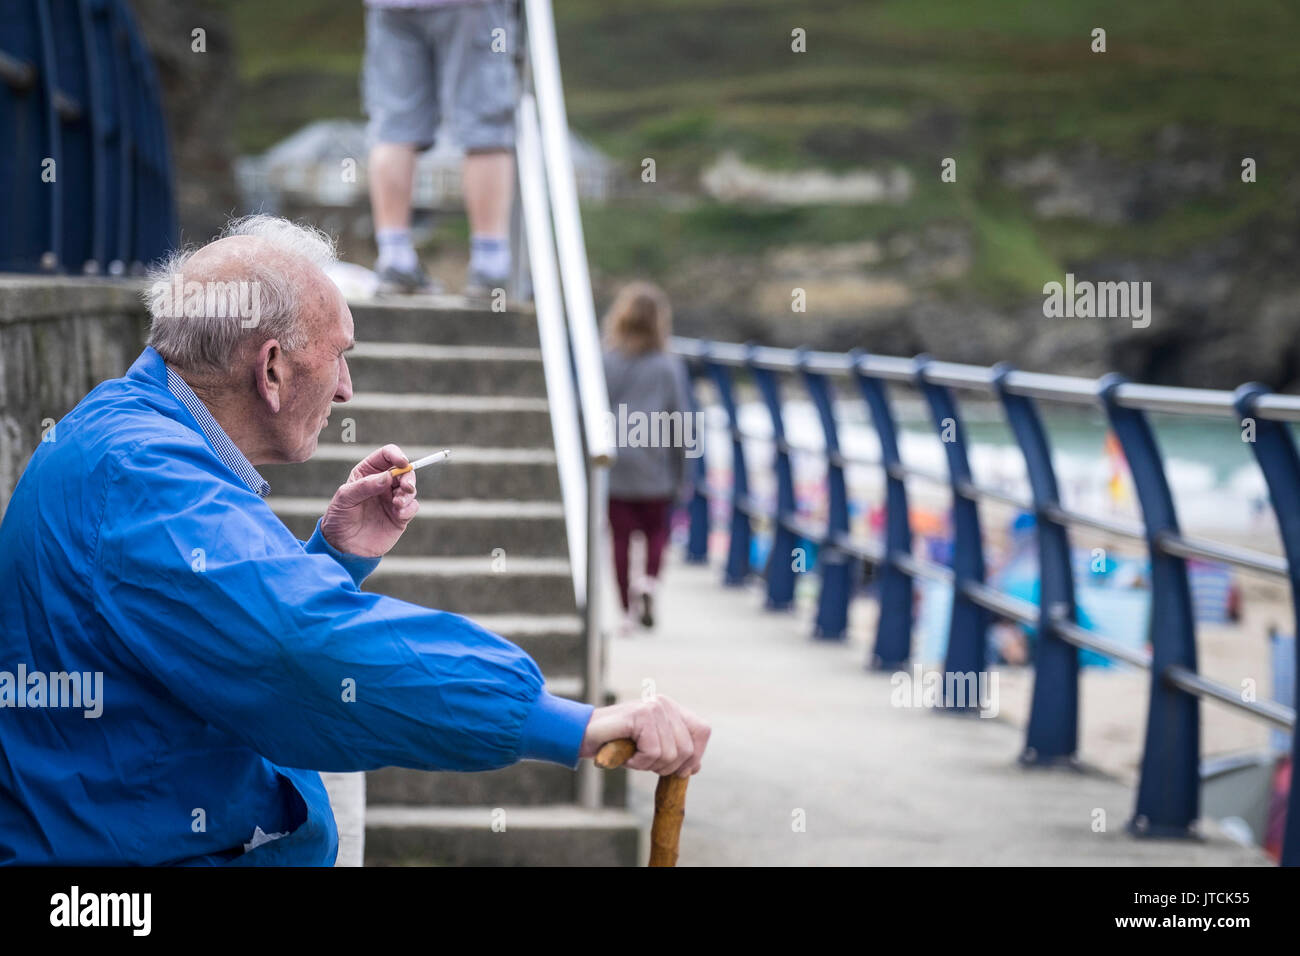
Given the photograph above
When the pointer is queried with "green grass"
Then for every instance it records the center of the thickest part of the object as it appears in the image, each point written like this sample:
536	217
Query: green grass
883	82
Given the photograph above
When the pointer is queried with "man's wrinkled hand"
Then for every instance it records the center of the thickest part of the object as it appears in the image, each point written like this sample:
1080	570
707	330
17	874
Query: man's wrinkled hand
369	513
669	738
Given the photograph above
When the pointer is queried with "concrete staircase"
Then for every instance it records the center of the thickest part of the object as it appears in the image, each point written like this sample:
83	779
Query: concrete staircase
489	542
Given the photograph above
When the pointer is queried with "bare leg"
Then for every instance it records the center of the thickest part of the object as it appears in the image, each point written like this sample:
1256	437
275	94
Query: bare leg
392	172
392	175
488	181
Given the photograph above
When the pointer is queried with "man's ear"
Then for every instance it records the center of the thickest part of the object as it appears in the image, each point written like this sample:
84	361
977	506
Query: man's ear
271	371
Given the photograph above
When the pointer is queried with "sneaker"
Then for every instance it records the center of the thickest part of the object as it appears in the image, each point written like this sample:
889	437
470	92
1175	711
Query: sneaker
647	603
393	281
626	625
481	288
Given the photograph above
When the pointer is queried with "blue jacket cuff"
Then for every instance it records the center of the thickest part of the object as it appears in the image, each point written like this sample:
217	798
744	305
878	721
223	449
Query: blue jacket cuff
355	565
554	729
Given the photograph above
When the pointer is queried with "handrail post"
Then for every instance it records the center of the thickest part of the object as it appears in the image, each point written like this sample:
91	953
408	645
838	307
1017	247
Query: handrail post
1275	451
1168	800
968	627
737	570
780	570
697	542
1053	732
893	647
49	77
590	780
836	564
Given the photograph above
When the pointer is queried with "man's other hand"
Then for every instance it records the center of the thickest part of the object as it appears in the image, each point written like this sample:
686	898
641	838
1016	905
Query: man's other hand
669	738
369	513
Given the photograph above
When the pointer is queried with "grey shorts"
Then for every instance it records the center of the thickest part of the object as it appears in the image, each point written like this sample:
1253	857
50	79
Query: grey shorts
426	63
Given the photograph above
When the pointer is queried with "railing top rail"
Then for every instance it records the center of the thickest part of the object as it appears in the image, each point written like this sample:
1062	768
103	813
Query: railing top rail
975	377
1061	388
1072	389
1280	408
1163	398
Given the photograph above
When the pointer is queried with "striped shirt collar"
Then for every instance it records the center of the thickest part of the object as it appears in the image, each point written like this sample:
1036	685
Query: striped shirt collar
225	448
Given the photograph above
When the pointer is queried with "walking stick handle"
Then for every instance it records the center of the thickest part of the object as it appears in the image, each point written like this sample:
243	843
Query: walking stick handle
670	802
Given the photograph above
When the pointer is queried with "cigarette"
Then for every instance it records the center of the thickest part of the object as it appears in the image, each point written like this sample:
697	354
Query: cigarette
433	459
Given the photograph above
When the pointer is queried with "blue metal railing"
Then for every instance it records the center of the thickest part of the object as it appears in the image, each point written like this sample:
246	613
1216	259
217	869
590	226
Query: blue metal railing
1168	798
85	179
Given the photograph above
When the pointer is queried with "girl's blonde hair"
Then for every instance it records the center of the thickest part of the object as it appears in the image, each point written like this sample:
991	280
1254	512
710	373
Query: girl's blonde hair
639	321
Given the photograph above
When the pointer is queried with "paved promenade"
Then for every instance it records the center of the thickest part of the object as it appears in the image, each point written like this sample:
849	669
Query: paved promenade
803	733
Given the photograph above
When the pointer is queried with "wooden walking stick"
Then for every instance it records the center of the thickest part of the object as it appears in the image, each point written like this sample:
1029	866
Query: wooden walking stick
670	802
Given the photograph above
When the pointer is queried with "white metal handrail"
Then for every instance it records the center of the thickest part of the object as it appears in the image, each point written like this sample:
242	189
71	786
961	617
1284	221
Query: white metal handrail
544	59
561	396
567	330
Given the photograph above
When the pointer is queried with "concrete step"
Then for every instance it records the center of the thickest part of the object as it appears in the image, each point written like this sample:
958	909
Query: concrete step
529	783
456	528
562	835
554	641
489	542
415	368
519	474
441	320
443	421
470	586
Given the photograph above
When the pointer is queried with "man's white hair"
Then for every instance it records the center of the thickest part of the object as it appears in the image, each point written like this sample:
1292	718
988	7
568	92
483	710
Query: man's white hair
208	337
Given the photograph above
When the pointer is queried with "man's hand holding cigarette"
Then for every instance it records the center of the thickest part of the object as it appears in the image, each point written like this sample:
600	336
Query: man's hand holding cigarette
371	510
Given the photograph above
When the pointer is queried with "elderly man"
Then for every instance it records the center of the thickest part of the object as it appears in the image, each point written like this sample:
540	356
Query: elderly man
228	662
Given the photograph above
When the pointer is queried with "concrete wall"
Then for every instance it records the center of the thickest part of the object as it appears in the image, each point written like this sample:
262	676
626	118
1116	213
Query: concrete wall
59	338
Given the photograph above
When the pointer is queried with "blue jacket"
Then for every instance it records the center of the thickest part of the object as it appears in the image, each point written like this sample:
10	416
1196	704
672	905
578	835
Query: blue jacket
236	661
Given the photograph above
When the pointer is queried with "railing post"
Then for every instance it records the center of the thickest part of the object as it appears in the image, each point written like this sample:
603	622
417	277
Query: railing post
590	782
697	542
1053	733
737	570
968	630
836	565
53	258
779	571
1168	800
1275	450
893	647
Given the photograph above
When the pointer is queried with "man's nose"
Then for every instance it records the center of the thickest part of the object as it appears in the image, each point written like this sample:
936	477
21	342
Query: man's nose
344	391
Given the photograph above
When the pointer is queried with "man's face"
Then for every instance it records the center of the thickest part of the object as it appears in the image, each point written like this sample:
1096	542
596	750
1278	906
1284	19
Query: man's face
319	377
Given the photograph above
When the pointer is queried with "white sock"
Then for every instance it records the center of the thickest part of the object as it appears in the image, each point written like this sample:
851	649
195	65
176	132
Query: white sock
490	256
395	250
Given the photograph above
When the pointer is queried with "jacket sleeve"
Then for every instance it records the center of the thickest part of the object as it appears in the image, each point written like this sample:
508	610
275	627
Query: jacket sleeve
357	567
205	592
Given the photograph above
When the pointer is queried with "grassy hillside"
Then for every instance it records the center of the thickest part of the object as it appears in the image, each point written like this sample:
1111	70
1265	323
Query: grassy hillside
882	82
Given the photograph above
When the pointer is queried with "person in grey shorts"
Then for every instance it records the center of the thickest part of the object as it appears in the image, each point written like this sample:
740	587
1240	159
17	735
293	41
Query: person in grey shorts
424	59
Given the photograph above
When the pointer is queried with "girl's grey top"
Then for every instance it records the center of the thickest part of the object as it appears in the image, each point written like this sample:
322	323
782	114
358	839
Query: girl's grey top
652	423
